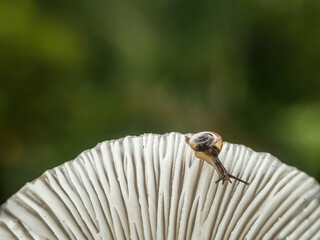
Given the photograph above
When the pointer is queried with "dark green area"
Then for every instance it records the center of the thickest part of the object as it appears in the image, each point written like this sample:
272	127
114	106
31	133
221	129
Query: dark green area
75	73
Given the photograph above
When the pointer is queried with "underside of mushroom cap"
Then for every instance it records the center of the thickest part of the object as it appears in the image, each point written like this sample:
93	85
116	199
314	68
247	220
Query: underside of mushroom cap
153	187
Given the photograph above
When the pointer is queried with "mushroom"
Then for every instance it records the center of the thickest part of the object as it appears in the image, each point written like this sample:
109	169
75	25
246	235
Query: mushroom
154	187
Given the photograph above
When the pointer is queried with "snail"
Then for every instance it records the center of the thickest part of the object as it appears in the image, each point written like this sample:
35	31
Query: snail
207	146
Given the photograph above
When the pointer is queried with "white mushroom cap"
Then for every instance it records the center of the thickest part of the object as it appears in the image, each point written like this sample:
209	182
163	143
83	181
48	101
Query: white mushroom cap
153	187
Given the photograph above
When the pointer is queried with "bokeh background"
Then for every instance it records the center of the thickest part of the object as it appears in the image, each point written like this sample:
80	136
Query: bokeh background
75	73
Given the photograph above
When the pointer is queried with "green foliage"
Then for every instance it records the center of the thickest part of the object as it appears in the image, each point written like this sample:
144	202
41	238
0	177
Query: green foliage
74	73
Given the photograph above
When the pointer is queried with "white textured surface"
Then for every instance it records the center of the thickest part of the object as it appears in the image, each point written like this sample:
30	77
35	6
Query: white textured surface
153	187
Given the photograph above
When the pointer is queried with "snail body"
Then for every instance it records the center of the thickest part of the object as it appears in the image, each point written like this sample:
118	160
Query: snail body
207	146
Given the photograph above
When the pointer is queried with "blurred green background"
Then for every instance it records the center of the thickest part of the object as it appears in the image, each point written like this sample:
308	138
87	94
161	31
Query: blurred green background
75	73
